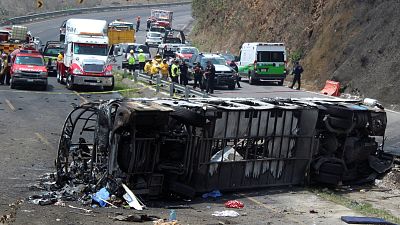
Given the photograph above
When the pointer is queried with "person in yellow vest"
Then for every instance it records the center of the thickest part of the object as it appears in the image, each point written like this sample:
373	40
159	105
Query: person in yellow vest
131	62
147	67
60	57
142	60
175	72
164	69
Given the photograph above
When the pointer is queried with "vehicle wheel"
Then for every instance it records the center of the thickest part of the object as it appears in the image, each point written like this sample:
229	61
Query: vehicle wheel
12	85
251	80
109	88
280	83
70	84
231	87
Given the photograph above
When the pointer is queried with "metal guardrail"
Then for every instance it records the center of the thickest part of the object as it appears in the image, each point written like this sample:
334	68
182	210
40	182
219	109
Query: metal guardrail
21	19
170	87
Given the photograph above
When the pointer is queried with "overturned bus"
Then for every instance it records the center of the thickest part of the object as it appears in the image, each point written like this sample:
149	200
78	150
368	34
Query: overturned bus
197	145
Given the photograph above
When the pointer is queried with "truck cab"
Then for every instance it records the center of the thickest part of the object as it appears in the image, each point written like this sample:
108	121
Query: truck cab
263	61
86	54
28	69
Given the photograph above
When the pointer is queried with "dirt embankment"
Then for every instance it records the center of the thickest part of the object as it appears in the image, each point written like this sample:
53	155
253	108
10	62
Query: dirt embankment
354	42
11	8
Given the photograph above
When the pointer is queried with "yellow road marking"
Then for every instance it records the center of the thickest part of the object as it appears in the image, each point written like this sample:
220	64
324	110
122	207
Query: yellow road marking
84	100
44	140
10	105
270	208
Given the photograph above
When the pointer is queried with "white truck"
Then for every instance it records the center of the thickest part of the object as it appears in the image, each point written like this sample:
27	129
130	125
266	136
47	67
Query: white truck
85	60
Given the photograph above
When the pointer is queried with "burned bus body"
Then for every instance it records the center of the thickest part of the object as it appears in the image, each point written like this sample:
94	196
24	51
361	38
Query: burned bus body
197	145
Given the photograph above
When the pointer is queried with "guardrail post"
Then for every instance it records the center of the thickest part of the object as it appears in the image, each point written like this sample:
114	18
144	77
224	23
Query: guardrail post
205	94
135	76
158	83
171	89
187	92
124	74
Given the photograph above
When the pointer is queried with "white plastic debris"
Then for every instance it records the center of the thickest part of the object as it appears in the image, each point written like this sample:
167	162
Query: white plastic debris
226	213
131	199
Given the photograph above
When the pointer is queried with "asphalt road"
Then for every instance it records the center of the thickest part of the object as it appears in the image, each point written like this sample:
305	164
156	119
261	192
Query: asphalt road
31	121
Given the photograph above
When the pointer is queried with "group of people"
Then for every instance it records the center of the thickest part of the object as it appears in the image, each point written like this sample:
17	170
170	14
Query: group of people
177	71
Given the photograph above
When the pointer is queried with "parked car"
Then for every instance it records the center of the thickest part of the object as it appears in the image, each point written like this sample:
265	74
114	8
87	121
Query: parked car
185	53
153	39
229	57
28	69
224	74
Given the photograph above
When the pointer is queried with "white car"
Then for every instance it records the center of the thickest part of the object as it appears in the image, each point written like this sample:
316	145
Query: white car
153	39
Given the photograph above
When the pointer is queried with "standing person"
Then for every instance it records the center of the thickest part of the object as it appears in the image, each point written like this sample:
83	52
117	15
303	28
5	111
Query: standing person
148	23
297	70
236	69
184	73
131	62
147	67
175	72
142	60
198	76
210	75
137	23
164	68
5	69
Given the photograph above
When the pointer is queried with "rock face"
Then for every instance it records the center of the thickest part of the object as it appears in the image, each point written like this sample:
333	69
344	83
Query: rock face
355	42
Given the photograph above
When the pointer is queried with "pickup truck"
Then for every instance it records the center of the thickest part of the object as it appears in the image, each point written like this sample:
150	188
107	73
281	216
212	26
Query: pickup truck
50	53
28	69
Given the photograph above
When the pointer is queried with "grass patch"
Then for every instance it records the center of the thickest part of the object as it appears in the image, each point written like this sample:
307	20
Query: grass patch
362	207
127	90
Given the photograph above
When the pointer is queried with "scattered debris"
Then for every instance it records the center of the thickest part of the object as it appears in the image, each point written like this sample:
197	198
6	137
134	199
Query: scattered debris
135	218
313	211
131	199
12	214
226	213
213	194
364	220
234	204
172	215
162	222
101	197
83	209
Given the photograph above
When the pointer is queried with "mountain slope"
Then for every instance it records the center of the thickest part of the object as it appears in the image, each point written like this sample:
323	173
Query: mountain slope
355	42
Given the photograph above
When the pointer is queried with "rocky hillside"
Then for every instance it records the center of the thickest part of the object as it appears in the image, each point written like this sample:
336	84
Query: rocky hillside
355	42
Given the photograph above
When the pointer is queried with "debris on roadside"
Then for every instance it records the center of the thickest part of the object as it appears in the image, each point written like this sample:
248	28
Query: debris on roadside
313	211
234	204
135	218
12	213
226	213
101	197
163	222
364	220
213	194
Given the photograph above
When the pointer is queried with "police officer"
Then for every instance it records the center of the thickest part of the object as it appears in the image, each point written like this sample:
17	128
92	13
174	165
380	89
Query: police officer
297	70
198	76
236	69
142	60
210	76
131	61
184	69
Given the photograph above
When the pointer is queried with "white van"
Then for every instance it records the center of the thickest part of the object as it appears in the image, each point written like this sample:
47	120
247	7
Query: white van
263	61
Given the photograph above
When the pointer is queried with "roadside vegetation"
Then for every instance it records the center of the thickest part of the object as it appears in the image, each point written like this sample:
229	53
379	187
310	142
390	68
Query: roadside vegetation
362	207
125	85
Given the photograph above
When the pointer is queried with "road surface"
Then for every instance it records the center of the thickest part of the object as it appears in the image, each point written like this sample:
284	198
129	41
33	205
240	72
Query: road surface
30	126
